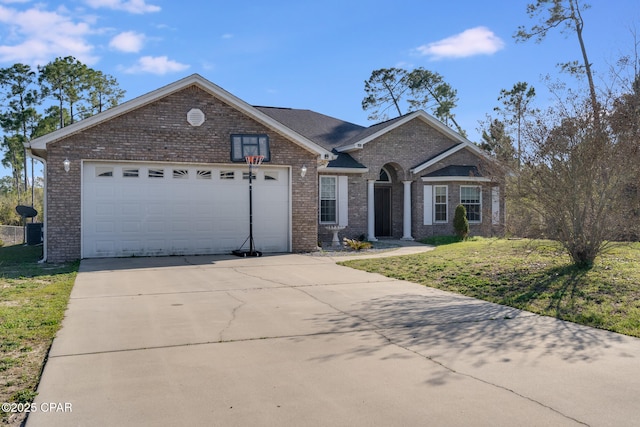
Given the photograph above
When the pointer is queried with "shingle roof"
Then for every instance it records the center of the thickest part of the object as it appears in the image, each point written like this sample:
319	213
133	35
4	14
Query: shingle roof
371	130
344	160
328	132
455	170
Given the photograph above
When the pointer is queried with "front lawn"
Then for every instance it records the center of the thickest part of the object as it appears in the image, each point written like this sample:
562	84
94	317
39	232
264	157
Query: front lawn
33	298
532	275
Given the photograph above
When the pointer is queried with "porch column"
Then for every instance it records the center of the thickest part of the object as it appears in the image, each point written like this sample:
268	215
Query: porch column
371	211
406	217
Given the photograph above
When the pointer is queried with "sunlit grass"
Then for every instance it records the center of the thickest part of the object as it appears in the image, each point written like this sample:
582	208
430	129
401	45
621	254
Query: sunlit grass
33	299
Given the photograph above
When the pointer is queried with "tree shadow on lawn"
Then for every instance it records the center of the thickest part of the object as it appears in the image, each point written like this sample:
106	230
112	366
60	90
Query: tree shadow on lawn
560	286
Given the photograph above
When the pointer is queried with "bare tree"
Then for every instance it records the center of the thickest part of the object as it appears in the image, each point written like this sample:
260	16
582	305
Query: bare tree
566	15
576	176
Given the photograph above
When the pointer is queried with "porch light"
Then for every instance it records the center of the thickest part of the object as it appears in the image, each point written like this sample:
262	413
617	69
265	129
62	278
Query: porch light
67	165
303	171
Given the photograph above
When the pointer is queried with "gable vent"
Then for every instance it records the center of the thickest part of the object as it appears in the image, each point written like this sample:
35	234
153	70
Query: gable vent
195	117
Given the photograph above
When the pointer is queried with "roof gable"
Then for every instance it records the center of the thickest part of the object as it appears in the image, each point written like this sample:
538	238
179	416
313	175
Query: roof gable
465	144
39	145
380	129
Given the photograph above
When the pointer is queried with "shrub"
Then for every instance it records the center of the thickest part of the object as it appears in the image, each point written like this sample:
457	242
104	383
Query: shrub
460	222
357	245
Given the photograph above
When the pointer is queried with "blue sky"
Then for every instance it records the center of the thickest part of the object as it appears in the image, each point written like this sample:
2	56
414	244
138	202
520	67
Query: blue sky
311	55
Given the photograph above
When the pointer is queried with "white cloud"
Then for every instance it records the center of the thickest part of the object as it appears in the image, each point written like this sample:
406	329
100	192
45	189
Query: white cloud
156	65
471	42
128	41
131	6
34	36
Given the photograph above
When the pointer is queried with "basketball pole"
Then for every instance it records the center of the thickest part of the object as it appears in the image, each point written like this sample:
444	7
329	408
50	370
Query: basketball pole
251	243
253	161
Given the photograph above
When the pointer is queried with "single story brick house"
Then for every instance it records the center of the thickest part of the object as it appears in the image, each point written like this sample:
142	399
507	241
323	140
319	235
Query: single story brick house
164	174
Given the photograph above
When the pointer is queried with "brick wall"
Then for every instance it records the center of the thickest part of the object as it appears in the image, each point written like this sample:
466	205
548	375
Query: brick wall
159	132
400	150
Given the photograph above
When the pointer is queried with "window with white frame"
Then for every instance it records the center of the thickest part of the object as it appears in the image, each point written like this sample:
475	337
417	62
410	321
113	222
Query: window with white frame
328	199
471	199
440	203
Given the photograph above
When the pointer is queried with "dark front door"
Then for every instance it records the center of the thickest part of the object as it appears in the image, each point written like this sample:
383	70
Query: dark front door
382	198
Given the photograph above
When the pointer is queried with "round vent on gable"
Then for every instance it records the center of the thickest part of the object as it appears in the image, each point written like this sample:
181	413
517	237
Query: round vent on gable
195	117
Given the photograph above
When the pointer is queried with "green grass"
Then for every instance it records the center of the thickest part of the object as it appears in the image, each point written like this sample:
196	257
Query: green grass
532	275
33	298
445	240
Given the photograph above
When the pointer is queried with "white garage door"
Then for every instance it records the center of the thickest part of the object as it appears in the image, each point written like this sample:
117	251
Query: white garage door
167	209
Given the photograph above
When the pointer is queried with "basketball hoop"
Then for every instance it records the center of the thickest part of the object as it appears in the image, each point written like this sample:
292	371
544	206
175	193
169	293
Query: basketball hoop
254	161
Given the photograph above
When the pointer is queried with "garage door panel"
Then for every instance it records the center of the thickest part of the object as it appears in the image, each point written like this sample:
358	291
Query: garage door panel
189	210
103	191
105	227
203	226
131	227
131	208
154	226
105	209
104	247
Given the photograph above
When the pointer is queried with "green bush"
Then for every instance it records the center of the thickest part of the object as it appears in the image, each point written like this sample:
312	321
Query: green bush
460	222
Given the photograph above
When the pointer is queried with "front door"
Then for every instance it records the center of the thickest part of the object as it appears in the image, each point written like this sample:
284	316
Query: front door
382	201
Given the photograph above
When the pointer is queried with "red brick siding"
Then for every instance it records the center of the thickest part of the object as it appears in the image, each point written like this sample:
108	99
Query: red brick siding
401	150
159	132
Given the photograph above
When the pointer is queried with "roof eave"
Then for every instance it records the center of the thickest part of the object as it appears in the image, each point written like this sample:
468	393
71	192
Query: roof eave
465	144
454	178
329	169
40	144
350	148
438	125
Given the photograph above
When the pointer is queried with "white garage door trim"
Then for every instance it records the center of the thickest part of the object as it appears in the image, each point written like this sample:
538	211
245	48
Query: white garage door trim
152	209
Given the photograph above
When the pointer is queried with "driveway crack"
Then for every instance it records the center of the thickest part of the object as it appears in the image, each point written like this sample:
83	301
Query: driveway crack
234	313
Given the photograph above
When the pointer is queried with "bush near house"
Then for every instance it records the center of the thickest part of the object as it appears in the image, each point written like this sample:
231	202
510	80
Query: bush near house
357	245
460	222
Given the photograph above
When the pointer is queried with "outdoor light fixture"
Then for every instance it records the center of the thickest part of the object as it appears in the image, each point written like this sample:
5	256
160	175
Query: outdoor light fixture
303	171
67	165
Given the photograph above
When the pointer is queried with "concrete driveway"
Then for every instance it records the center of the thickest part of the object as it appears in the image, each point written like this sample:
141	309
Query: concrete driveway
298	340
